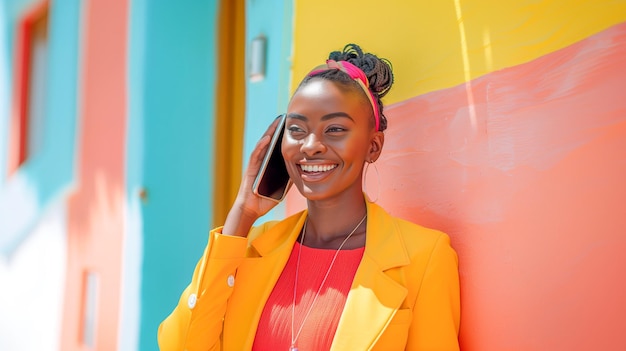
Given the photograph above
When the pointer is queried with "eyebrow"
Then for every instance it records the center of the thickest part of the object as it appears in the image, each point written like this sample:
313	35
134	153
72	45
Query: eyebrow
324	118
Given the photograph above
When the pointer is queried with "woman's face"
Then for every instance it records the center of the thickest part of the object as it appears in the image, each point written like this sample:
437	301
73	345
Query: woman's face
328	138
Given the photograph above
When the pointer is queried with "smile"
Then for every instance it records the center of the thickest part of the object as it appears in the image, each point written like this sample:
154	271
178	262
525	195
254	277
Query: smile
317	168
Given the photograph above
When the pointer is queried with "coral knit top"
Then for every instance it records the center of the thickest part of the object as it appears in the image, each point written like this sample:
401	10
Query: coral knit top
318	329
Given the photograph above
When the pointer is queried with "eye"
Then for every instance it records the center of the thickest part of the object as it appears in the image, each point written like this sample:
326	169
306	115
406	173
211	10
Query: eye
336	129
295	130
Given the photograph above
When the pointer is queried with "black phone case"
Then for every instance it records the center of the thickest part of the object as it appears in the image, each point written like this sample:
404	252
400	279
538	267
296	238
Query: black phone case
273	180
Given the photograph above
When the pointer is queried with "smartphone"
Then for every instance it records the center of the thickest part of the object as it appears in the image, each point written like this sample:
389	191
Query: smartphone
272	181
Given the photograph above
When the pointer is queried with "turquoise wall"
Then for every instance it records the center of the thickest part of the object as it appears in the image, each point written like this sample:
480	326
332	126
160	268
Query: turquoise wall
172	78
268	98
5	88
47	175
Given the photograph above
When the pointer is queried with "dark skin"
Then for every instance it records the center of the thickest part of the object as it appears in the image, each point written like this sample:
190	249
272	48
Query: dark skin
329	137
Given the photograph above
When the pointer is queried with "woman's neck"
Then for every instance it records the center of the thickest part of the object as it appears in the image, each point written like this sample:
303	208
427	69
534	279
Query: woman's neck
329	223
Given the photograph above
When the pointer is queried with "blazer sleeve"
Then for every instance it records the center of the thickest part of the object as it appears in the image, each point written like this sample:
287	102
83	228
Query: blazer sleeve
436	314
197	321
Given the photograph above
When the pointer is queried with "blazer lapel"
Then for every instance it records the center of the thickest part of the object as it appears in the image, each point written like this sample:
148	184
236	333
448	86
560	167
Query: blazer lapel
374	296
268	255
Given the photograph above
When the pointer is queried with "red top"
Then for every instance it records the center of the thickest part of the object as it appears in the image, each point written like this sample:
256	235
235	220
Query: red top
274	330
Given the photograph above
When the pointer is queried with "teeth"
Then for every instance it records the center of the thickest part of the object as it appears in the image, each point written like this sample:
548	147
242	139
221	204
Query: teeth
317	168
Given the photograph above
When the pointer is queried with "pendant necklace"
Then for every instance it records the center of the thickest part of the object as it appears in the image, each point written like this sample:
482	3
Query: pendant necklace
295	284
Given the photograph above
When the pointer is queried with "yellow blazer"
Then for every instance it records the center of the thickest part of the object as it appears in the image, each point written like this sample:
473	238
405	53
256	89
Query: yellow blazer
405	293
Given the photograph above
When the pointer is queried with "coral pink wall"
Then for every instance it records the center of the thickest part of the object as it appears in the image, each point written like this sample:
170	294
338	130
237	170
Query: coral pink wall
95	211
529	181
530	184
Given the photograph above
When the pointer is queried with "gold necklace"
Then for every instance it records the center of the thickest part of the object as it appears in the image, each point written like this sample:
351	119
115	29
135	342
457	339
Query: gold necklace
295	283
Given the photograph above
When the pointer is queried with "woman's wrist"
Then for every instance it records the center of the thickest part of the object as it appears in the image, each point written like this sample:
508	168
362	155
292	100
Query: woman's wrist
239	221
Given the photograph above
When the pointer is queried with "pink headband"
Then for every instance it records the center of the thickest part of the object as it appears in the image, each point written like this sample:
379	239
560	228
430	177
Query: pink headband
355	73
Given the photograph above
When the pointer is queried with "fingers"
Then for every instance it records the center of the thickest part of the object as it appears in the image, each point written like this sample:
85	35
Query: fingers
272	128
261	147
247	203
258	153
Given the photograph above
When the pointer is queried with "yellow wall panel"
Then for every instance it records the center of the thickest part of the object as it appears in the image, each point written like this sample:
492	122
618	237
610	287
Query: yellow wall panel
439	44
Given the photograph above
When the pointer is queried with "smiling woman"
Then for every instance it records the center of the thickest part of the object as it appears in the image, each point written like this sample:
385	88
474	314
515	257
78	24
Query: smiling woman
327	141
342	274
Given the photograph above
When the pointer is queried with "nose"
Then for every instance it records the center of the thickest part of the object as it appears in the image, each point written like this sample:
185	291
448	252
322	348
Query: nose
311	145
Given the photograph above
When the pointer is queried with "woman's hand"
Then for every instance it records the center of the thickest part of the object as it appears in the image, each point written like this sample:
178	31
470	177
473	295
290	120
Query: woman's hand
248	207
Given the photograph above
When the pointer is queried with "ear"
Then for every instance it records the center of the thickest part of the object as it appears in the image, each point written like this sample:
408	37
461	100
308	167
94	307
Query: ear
377	141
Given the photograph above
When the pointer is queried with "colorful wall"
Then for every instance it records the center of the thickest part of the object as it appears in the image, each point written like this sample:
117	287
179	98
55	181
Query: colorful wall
33	210
268	97
506	130
170	166
97	230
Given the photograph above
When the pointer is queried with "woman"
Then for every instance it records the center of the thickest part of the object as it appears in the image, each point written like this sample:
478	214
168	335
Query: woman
341	275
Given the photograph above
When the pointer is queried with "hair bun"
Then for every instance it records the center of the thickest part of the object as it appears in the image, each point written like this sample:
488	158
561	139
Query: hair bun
378	70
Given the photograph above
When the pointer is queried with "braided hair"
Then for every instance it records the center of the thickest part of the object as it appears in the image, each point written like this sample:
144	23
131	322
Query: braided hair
378	71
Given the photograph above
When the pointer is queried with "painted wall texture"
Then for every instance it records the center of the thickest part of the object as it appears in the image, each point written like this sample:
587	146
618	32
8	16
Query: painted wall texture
120	119
267	98
170	150
507	131
96	207
33	208
46	176
530	190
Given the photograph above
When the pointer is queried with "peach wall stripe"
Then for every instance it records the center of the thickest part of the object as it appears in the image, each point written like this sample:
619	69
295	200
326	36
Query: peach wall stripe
96	209
532	195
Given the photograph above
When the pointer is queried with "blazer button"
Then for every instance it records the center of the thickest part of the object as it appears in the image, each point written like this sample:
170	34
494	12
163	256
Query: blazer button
231	280
191	301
